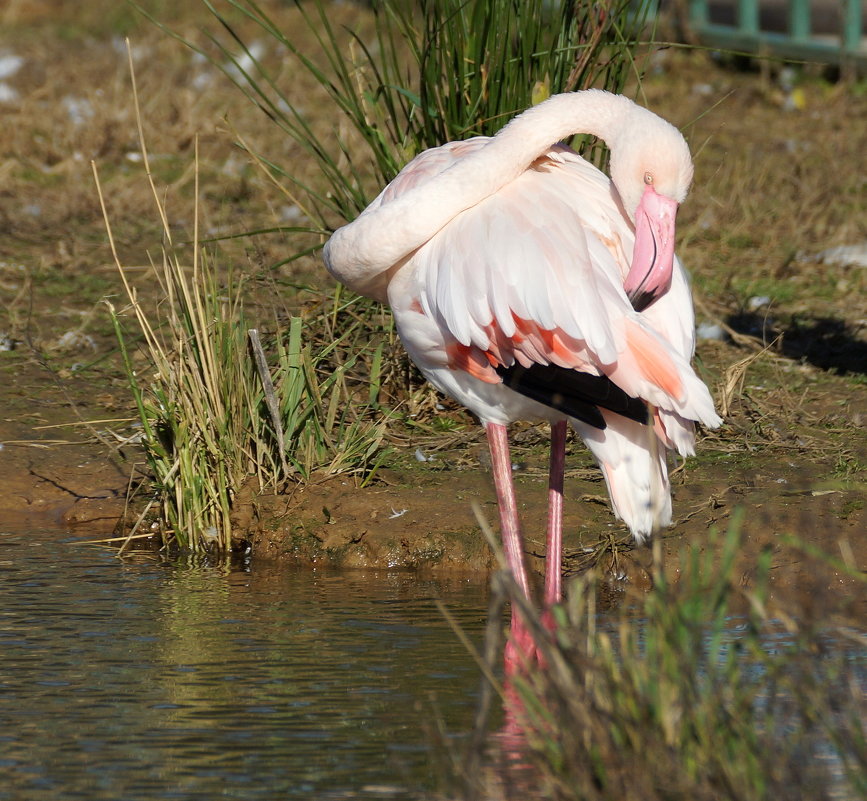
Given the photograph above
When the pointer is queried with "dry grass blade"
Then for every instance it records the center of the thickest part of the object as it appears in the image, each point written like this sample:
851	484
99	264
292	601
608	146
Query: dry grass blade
734	377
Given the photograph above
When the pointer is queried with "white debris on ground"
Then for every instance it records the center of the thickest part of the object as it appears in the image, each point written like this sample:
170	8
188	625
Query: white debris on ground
245	62
757	301
140	52
75	340
9	65
841	256
79	109
291	214
713	331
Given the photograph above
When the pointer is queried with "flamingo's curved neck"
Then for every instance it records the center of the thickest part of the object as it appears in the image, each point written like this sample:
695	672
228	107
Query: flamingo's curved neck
362	249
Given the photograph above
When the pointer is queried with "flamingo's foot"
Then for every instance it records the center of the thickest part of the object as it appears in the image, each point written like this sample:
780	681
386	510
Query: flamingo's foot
522	653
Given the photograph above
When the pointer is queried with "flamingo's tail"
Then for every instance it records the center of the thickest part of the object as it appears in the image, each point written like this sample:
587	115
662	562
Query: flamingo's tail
633	462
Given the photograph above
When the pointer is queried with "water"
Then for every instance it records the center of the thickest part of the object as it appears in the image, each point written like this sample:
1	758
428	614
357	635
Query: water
147	679
151	679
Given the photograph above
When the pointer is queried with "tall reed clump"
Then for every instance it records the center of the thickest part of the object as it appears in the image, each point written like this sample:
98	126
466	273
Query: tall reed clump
198	402
213	416
430	72
699	691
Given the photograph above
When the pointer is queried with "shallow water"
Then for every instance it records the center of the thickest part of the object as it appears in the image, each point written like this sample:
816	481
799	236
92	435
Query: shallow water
149	679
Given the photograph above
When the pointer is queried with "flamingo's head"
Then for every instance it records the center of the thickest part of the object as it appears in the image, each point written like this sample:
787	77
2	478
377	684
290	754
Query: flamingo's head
652	170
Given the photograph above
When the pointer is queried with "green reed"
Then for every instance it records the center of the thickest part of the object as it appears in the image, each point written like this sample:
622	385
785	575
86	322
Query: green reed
208	427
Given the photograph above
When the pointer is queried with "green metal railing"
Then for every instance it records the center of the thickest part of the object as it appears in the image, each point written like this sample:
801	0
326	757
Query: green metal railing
798	40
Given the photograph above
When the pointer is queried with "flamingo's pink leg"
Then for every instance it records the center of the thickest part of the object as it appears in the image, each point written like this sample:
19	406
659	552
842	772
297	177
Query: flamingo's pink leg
553	590
513	540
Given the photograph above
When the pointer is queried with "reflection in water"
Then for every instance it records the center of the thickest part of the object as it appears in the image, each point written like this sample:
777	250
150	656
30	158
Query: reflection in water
153	680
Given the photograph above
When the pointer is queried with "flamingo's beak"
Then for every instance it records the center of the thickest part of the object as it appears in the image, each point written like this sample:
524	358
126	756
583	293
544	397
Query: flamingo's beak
649	276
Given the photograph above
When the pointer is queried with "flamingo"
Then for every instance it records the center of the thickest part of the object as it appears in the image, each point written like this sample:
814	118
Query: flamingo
528	285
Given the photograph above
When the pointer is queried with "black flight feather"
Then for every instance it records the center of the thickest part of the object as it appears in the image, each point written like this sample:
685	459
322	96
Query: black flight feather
577	394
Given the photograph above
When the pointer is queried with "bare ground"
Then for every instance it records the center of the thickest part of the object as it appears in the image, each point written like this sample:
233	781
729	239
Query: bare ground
780	179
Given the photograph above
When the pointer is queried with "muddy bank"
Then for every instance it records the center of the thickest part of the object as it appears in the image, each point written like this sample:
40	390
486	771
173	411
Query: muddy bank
420	517
57	471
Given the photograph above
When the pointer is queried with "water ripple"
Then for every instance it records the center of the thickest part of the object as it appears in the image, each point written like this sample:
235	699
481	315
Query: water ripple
153	680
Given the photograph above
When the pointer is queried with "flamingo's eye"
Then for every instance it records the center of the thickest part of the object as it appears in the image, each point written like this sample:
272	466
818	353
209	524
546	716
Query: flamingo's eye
648	178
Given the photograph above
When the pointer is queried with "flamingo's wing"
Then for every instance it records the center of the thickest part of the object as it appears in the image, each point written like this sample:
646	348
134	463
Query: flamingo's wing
529	257
425	166
533	277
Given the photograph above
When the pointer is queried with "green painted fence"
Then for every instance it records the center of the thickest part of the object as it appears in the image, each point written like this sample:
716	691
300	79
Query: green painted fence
830	31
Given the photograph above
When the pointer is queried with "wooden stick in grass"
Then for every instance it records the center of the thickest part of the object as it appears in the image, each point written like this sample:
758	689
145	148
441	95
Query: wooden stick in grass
270	394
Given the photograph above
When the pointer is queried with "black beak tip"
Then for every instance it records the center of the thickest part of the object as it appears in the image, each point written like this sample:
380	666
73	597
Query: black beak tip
640	299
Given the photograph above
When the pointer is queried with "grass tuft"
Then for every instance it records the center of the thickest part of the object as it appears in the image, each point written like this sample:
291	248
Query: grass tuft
699	689
213	417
